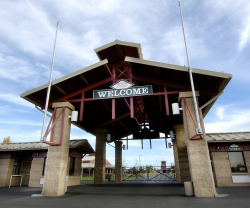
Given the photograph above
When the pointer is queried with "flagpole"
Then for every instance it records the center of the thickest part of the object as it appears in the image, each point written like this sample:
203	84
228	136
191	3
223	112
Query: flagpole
199	129
49	87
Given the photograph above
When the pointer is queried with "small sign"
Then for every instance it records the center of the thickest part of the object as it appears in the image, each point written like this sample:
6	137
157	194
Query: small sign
234	147
124	92
121	84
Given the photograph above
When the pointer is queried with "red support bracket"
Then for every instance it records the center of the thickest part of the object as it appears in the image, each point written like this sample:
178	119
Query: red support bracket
82	106
187	109
166	100
53	120
132	115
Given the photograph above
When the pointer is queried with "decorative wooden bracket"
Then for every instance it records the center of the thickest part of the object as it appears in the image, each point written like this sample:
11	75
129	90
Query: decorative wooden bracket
186	108
53	121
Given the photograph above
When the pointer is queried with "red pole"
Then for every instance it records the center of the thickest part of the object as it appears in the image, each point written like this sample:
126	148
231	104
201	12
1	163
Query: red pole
113	100
132	108
166	100
82	106
113	109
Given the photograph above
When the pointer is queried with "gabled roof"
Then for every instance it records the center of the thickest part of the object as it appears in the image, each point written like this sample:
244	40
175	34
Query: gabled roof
89	162
97	114
81	144
118	50
228	137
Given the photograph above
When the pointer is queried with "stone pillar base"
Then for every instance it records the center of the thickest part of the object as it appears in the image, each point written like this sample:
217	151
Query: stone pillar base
100	156
118	161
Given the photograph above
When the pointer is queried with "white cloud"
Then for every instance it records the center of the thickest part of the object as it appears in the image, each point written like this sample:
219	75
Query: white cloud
245	33
21	122
5	109
234	12
220	111
229	119
16	100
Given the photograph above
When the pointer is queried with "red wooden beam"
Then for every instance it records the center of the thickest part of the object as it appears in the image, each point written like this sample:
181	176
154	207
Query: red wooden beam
129	133
113	74
166	100
79	100
113	100
107	69
104	124
58	89
168	93
83	79
37	100
132	107
85	89
82	106
172	84
113	109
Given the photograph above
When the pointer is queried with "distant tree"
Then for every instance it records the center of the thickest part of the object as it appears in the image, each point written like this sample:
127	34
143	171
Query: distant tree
134	170
149	169
124	163
141	169
136	163
6	140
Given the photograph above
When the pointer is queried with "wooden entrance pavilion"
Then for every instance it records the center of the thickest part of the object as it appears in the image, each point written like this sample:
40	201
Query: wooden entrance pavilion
145	116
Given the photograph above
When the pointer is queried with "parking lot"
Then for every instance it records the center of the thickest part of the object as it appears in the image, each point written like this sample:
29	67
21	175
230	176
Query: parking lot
127	194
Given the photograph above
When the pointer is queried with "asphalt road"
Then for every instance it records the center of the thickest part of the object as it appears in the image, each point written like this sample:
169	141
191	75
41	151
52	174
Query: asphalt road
126	194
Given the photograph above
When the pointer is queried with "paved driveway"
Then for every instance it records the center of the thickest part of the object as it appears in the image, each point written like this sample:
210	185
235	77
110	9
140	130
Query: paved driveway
127	194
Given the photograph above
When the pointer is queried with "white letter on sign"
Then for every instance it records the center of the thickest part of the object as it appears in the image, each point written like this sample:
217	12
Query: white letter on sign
102	94
123	92
137	91
110	93
129	93
144	90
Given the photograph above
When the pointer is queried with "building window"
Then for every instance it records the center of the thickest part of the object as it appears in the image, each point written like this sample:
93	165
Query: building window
237	162
72	166
44	165
17	167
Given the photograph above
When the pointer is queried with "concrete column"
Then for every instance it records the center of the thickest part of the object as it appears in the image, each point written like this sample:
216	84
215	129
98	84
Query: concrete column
118	161
176	161
57	160
6	168
198	155
100	156
182	153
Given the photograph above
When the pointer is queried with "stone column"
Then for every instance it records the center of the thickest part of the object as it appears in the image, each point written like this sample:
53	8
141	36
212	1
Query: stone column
182	153
6	168
57	160
176	161
100	156
118	161
198	155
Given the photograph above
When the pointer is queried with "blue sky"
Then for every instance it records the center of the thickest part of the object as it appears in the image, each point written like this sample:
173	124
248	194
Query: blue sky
218	37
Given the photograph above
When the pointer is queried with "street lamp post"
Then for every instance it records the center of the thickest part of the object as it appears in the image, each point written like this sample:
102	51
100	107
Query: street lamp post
139	161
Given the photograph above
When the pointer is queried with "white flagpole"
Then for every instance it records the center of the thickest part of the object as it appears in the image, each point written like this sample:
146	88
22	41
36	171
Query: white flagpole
199	129
49	87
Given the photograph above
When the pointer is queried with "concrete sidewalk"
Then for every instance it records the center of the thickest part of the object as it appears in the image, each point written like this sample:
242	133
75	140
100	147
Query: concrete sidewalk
127	194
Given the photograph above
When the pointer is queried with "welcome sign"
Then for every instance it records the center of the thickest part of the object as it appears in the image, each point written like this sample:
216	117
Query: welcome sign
124	92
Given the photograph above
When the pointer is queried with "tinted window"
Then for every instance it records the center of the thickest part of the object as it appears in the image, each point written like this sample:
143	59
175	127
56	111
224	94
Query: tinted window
237	162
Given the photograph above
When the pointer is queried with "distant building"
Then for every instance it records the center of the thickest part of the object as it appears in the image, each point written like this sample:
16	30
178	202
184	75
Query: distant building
163	167
88	166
